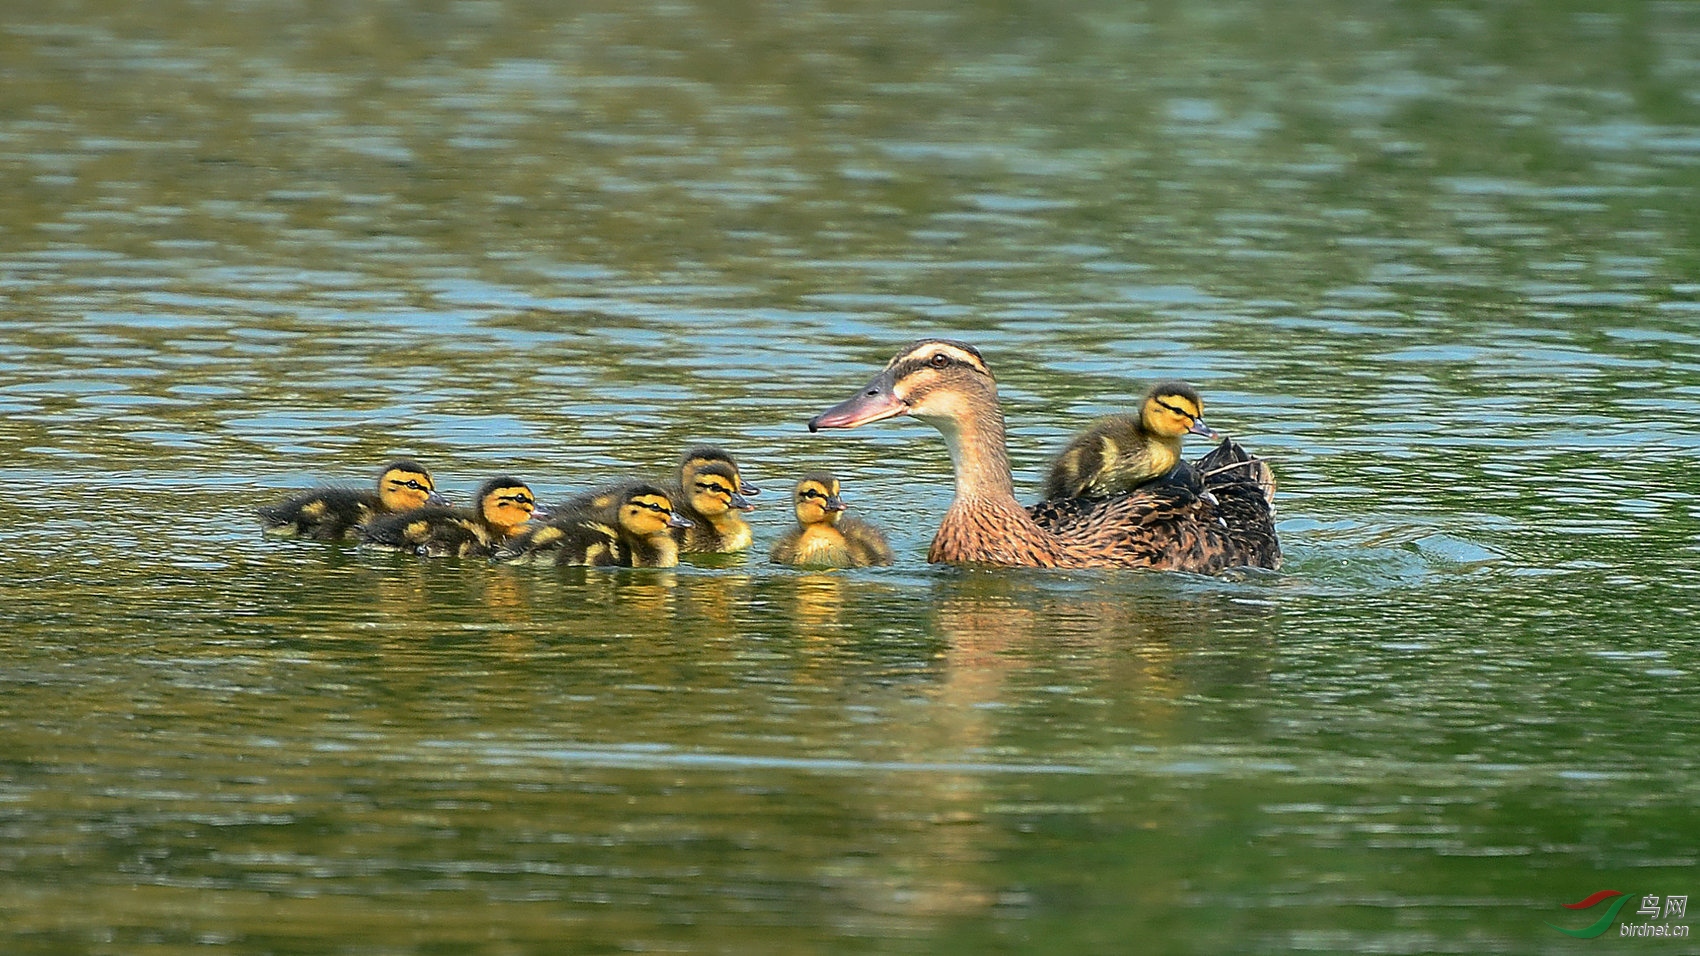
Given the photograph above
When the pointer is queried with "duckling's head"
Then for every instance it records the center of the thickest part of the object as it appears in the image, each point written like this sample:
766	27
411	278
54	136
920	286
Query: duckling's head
817	500
1173	409
405	485
646	511
713	490
506	503
939	381
704	455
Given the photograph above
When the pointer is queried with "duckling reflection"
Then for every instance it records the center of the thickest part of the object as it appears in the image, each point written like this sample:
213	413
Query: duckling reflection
586	600
332	513
714	602
818	605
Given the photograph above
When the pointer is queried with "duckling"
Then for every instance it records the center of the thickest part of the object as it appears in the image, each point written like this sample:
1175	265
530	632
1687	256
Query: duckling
329	514
703	455
633	531
503	504
824	537
1121	452
947	384
708	495
709	490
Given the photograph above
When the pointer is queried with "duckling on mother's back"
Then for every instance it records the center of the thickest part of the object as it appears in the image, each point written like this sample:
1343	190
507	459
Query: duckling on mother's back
1119	453
329	514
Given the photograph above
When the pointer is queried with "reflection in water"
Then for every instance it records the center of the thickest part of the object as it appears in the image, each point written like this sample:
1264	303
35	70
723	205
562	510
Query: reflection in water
818	611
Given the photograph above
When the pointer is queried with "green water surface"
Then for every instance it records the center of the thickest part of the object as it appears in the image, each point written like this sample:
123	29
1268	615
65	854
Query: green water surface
1439	261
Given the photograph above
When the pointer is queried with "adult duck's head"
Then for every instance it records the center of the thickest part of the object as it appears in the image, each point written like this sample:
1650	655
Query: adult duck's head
939	381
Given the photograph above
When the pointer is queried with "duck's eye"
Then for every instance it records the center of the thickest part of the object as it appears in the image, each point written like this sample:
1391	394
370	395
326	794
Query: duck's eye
939	360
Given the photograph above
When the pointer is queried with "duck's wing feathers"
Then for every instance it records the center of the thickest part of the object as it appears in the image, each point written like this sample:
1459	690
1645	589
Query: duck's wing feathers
603	501
575	539
323	513
1244	489
431	531
868	544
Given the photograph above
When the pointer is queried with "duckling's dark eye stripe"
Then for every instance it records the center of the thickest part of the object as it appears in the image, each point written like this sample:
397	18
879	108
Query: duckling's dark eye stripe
1178	411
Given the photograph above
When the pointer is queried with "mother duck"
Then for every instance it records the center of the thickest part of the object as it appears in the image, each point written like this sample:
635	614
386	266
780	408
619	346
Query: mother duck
1215	516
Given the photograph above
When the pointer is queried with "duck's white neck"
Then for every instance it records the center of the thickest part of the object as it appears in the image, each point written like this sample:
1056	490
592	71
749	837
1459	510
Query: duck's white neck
978	456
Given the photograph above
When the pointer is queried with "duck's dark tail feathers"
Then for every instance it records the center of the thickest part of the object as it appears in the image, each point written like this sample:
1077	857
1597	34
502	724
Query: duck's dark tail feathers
1244	488
1229	464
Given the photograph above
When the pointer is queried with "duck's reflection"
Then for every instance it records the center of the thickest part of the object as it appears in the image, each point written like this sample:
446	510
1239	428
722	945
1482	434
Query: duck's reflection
1014	651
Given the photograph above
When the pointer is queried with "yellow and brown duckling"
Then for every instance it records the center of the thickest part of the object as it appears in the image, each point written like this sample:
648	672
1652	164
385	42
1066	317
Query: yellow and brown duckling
824	536
703	455
1227	522
1121	452
330	514
500	507
710	493
634	529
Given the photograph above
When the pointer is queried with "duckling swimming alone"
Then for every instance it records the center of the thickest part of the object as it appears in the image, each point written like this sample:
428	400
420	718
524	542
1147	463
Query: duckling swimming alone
1121	452
502	505
634	531
824	537
329	514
